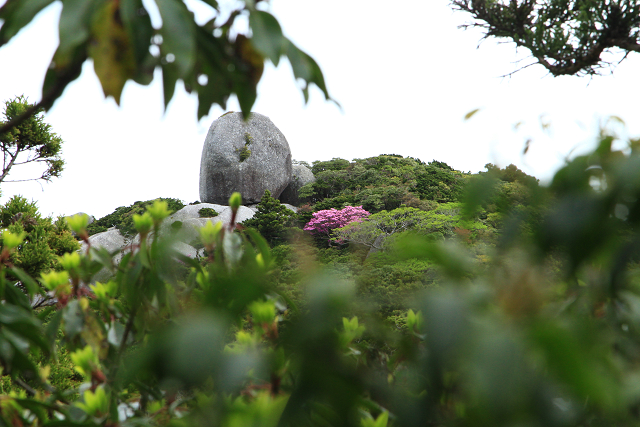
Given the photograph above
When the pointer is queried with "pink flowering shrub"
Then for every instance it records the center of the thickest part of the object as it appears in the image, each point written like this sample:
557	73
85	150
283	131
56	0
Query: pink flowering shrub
324	222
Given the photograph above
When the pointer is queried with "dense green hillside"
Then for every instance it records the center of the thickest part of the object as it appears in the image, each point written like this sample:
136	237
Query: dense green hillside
382	183
404	195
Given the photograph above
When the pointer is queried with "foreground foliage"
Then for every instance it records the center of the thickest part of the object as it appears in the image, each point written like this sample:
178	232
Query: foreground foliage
272	219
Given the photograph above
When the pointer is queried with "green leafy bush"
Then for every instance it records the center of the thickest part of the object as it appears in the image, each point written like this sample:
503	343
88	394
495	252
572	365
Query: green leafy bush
122	217
207	213
272	219
45	239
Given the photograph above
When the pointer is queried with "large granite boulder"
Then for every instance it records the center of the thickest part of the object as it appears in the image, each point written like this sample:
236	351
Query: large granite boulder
249	157
300	175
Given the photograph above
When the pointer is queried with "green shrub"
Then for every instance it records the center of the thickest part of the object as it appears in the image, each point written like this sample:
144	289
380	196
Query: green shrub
272	219
122	217
45	239
207	213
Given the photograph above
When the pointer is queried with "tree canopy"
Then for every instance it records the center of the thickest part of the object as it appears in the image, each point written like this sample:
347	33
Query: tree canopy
565	36
31	141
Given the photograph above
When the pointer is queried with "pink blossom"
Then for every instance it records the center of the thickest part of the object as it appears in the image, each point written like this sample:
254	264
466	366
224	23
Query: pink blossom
324	222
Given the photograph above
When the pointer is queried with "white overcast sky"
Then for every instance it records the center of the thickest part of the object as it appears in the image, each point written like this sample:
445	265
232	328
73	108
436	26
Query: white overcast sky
403	72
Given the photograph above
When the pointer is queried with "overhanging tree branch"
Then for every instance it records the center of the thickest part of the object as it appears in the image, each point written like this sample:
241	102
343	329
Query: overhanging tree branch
31	136
566	37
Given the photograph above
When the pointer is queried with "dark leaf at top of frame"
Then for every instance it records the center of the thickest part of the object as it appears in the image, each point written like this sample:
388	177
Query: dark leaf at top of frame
113	55
305	68
178	36
16	14
267	35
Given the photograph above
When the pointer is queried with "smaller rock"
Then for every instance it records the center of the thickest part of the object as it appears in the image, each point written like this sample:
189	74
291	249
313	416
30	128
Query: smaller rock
290	207
191	221
244	213
110	240
187	250
300	175
91	217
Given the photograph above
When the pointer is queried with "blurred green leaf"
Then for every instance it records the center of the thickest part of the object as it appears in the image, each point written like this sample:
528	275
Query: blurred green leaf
478	191
169	80
267	35
137	22
74	29
73	319
28	282
15	296
305	68
212	3
454	260
16	14
52	327
178	37
580	362
111	51
212	63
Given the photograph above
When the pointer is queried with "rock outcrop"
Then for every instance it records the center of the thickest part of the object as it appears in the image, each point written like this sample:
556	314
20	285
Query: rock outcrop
183	224
110	240
300	175
249	157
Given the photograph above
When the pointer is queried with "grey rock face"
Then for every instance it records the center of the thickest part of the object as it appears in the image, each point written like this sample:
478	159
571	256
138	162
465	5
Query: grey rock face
290	207
300	175
244	213
249	157
110	240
